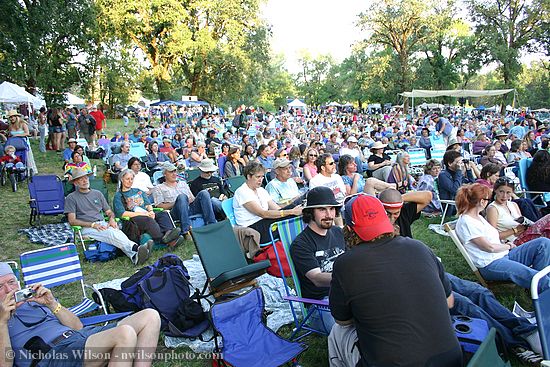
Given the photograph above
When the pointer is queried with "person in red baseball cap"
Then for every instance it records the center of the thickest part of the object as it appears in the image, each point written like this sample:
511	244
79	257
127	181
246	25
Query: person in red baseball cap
390	295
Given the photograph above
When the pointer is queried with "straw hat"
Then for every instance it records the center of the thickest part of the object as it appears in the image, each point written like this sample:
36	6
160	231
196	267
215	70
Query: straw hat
79	172
207	165
378	145
13	113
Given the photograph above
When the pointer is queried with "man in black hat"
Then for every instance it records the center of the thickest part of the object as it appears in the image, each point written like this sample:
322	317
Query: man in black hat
314	250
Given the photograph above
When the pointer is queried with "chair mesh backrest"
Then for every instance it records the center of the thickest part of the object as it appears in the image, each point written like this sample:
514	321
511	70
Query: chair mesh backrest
227	207
288	230
218	248
52	266
233	183
418	157
437	153
82	142
100	185
191	174
138	150
47	194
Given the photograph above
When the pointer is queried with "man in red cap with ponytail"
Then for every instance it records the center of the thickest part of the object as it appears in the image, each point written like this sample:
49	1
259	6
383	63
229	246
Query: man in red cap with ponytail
389	296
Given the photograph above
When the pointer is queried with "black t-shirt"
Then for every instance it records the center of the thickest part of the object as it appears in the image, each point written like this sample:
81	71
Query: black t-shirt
213	185
377	160
310	250
408	215
395	291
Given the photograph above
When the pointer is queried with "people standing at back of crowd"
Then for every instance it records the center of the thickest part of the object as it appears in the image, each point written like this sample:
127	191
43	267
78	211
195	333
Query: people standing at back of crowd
56	121
71	122
86	125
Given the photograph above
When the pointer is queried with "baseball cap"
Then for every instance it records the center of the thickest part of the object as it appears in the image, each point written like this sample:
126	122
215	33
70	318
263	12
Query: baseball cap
169	167
72	140
352	139
280	163
366	216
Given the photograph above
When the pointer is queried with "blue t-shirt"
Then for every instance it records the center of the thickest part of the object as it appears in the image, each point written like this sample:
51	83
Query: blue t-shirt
349	181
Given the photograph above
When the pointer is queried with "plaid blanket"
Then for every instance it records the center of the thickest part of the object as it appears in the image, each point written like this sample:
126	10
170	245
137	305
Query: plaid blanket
50	234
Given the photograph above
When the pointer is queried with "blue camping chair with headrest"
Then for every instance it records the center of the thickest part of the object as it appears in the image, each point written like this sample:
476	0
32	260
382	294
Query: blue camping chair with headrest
541	303
247	341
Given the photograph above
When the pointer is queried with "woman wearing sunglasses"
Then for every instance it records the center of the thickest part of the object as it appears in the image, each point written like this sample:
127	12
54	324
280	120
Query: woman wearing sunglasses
310	169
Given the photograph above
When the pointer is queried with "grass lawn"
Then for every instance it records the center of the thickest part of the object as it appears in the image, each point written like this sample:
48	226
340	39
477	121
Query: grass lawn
15	215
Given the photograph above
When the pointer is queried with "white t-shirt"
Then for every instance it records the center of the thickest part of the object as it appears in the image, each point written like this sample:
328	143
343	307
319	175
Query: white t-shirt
353	152
142	181
468	228
334	182
245	194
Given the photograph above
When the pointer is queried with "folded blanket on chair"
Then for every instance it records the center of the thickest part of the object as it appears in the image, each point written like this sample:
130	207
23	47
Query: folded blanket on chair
50	234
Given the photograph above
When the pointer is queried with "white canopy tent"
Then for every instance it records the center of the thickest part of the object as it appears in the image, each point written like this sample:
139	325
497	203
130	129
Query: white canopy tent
73	100
296	103
334	104
458	93
12	93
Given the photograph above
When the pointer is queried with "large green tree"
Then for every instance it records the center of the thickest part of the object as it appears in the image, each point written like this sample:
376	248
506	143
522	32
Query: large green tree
194	43
41	41
400	26
507	29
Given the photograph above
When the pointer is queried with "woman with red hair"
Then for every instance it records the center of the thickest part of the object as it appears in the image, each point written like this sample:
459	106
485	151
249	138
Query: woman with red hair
497	260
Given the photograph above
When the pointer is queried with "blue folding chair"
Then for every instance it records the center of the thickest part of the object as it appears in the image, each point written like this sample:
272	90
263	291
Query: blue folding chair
418	159
47	197
60	265
138	150
227	207
288	230
247	341
541	303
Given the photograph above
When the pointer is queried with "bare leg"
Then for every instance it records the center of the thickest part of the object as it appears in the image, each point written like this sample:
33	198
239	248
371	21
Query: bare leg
374	185
113	342
146	324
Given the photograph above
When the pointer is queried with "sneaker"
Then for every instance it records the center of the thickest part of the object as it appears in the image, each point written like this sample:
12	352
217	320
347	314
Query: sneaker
179	242
171	235
527	356
187	236
142	253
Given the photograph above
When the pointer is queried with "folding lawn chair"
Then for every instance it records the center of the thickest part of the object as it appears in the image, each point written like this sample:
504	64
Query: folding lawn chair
487	353
541	199
191	174
541	303
60	265
450	229
227	206
288	230
138	150
437	153
418	159
46	197
247	341
223	260
233	183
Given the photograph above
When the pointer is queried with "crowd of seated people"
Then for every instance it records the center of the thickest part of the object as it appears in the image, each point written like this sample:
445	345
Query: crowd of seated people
281	167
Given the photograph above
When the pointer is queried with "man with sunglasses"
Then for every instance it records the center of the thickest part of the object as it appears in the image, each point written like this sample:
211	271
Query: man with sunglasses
283	189
40	328
327	176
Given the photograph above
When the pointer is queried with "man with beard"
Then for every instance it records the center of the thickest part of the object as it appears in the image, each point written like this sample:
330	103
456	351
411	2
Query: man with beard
314	250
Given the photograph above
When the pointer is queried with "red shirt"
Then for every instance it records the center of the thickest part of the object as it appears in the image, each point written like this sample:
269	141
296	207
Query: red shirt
99	118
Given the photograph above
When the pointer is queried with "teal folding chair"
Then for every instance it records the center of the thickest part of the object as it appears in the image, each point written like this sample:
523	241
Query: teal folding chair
138	150
233	183
223	259
487	353
288	230
60	265
418	159
191	174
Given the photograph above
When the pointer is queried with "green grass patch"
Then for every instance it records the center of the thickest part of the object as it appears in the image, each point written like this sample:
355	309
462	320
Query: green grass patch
15	215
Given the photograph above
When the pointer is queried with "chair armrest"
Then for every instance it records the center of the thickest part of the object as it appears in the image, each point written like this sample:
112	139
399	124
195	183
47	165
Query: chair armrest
309	301
76	228
158	209
125	218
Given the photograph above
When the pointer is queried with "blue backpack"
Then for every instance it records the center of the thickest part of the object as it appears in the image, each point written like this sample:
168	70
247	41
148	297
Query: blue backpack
165	287
100	251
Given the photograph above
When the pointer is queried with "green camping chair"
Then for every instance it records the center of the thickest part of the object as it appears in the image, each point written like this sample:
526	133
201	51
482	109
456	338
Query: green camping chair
223	260
487	354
